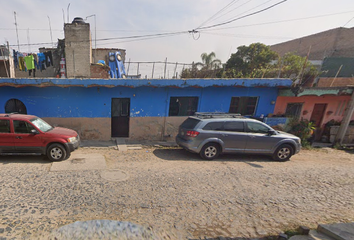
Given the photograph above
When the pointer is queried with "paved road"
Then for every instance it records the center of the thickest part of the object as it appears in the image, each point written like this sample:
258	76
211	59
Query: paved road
175	191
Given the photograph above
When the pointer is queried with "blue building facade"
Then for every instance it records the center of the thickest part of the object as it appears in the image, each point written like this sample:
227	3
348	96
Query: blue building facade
136	108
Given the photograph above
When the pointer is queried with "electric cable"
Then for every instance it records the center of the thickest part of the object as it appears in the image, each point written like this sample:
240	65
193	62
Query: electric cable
248	15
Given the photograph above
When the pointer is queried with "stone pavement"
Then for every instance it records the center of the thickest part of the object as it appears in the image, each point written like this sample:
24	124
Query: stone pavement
174	190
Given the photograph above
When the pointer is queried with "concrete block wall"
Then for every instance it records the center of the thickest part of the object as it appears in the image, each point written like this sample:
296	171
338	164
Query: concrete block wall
78	50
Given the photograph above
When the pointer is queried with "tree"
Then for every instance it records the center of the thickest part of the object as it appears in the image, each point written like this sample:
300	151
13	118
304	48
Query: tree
209	62
209	68
294	66
250	61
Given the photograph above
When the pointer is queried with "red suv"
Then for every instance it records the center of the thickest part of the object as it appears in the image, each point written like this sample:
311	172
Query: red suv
27	134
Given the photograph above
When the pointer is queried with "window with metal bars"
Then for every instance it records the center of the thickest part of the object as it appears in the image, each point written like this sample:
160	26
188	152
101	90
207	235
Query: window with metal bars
183	106
243	105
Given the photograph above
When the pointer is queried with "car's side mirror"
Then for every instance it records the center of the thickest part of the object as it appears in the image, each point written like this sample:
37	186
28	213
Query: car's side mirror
271	132
34	131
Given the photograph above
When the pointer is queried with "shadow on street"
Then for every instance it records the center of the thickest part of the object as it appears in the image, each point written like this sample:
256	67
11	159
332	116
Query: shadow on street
8	159
183	155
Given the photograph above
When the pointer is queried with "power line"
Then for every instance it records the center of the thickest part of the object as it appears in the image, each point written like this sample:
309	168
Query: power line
248	15
233	9
248	9
289	20
221	10
143	37
245	36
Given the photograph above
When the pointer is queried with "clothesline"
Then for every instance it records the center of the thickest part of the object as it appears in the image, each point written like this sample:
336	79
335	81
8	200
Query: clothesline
31	61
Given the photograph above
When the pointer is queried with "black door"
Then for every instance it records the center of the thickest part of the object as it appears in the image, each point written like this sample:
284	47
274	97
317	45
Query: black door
120	117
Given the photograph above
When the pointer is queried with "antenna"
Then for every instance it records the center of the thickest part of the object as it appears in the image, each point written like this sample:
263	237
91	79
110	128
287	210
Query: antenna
50	28
67	12
28	40
18	42
63	16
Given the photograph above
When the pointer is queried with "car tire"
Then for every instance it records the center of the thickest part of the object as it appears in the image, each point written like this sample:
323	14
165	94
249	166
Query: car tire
283	153
68	154
210	151
56	152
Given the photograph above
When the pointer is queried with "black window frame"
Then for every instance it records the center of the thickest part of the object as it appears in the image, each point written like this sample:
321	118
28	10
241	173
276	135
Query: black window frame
294	113
244	110
176	109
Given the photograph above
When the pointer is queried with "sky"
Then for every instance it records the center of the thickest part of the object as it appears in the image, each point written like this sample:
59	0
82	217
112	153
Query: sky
140	26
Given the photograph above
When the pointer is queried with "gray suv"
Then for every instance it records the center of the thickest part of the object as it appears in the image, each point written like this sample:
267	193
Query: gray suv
211	134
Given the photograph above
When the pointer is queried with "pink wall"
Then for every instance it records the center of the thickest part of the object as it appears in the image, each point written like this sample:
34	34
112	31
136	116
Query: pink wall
335	104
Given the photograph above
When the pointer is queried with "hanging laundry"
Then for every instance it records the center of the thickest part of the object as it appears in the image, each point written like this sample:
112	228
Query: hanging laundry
15	58
21	63
29	60
30	71
41	61
48	58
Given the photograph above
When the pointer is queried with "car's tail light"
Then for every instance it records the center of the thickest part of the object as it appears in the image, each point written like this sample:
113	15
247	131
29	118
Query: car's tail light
192	133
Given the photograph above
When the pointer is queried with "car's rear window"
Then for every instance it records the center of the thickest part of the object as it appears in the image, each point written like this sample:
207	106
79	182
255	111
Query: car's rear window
190	123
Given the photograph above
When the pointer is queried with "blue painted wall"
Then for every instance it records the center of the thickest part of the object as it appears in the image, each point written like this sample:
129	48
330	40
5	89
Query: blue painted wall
92	102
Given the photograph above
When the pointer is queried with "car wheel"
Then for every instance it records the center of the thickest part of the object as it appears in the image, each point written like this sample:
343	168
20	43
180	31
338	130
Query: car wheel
56	152
210	151
68	154
283	153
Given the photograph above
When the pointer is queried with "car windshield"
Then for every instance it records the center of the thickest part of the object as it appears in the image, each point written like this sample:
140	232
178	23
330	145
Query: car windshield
41	124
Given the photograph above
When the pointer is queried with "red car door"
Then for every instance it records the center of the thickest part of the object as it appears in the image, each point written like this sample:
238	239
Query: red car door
25	140
7	144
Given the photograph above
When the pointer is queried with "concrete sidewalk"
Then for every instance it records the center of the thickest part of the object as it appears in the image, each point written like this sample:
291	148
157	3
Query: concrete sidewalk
124	144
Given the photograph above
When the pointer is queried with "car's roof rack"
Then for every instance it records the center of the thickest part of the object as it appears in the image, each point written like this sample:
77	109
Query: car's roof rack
8	114
217	115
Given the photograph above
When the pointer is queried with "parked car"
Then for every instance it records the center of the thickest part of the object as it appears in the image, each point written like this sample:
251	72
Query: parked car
27	134
211	134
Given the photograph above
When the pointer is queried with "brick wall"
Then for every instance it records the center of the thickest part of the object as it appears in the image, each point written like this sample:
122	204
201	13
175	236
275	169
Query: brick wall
338	82
99	71
338	42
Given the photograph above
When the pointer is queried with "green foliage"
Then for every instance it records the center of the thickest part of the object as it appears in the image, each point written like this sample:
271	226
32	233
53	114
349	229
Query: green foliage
208	68
209	62
303	129
250	61
259	61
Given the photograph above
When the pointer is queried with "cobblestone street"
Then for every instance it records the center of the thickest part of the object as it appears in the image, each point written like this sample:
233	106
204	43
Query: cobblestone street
175	191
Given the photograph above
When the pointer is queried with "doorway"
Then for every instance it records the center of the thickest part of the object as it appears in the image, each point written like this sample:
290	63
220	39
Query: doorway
15	106
317	114
120	113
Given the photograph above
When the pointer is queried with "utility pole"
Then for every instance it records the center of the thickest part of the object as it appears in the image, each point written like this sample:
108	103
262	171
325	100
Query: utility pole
164	75
174	72
153	69
94	59
18	42
28	40
346	120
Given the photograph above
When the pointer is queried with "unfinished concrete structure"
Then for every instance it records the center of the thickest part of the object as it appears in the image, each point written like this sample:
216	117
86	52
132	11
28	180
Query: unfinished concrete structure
78	49
338	42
